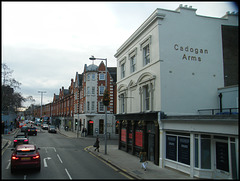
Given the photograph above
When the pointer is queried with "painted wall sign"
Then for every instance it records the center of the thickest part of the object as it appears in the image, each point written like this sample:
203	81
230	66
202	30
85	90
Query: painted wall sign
195	52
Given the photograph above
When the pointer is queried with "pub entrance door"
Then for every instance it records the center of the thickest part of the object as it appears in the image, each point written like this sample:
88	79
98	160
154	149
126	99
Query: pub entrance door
151	147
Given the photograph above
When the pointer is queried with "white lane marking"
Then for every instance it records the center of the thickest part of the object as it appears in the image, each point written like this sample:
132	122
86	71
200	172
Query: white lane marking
45	162
59	158
8	166
68	174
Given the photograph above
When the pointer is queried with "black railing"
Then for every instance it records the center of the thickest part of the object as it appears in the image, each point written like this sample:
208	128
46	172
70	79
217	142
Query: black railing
218	111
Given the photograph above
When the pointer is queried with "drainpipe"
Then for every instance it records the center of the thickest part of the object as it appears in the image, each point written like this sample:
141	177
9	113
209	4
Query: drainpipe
220	99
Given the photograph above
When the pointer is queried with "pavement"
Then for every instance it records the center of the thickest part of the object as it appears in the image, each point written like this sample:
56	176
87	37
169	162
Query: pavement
127	163
121	161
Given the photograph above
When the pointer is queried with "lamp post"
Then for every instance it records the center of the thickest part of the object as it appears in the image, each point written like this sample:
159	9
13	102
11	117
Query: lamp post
41	99
93	58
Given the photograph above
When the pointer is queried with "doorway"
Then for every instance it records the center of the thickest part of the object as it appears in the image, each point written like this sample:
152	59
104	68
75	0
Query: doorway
90	127
221	160
151	147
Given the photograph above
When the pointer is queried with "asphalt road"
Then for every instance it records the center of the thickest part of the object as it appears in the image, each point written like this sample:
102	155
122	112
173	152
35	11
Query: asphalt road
61	158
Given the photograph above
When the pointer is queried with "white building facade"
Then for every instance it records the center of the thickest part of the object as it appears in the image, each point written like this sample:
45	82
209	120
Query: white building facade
174	63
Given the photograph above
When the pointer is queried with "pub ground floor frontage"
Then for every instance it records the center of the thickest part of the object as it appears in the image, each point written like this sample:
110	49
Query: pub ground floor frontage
139	132
201	146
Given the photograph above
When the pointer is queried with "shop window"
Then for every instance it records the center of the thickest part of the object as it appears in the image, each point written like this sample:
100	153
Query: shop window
123	134
139	138
184	150
234	161
196	151
130	135
171	147
101	126
205	152
178	148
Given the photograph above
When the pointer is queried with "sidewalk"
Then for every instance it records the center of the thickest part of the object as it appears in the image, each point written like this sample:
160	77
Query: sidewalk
5	141
129	163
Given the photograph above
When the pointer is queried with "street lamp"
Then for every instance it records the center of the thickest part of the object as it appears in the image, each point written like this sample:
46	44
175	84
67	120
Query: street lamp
93	58
41	99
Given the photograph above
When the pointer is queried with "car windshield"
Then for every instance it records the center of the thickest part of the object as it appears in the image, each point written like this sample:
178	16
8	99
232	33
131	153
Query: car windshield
31	152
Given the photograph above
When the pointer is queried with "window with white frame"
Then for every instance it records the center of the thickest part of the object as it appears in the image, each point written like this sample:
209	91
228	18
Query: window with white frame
178	147
122	67
101	90
88	90
146	55
101	76
88	76
123	70
88	105
132	58
93	76
133	63
101	106
146	97
93	105
145	48
121	103
93	90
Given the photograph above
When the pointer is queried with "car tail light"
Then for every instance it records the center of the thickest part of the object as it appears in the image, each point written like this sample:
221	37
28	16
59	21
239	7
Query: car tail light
25	140
14	158
36	157
15	141
29	130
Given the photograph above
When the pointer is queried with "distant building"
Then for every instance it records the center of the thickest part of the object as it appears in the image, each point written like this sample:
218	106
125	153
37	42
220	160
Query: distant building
170	71
89	108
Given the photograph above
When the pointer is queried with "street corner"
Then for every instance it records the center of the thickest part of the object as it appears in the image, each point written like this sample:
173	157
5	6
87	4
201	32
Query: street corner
88	148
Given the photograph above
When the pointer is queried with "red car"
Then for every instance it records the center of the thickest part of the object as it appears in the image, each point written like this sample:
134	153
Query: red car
25	156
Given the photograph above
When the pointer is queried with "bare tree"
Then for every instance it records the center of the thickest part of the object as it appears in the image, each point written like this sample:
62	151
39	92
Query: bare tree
11	100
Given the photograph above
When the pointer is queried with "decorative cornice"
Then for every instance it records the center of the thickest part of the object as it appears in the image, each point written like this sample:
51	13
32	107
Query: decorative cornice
155	15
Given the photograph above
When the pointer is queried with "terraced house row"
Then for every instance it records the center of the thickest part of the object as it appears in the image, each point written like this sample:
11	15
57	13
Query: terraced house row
80	106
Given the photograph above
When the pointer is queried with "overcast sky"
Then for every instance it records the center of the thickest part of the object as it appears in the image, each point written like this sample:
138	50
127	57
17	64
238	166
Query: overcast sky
46	43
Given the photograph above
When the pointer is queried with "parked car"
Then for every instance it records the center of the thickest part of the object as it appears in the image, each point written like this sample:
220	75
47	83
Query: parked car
52	129
32	131
44	126
24	128
20	138
25	156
